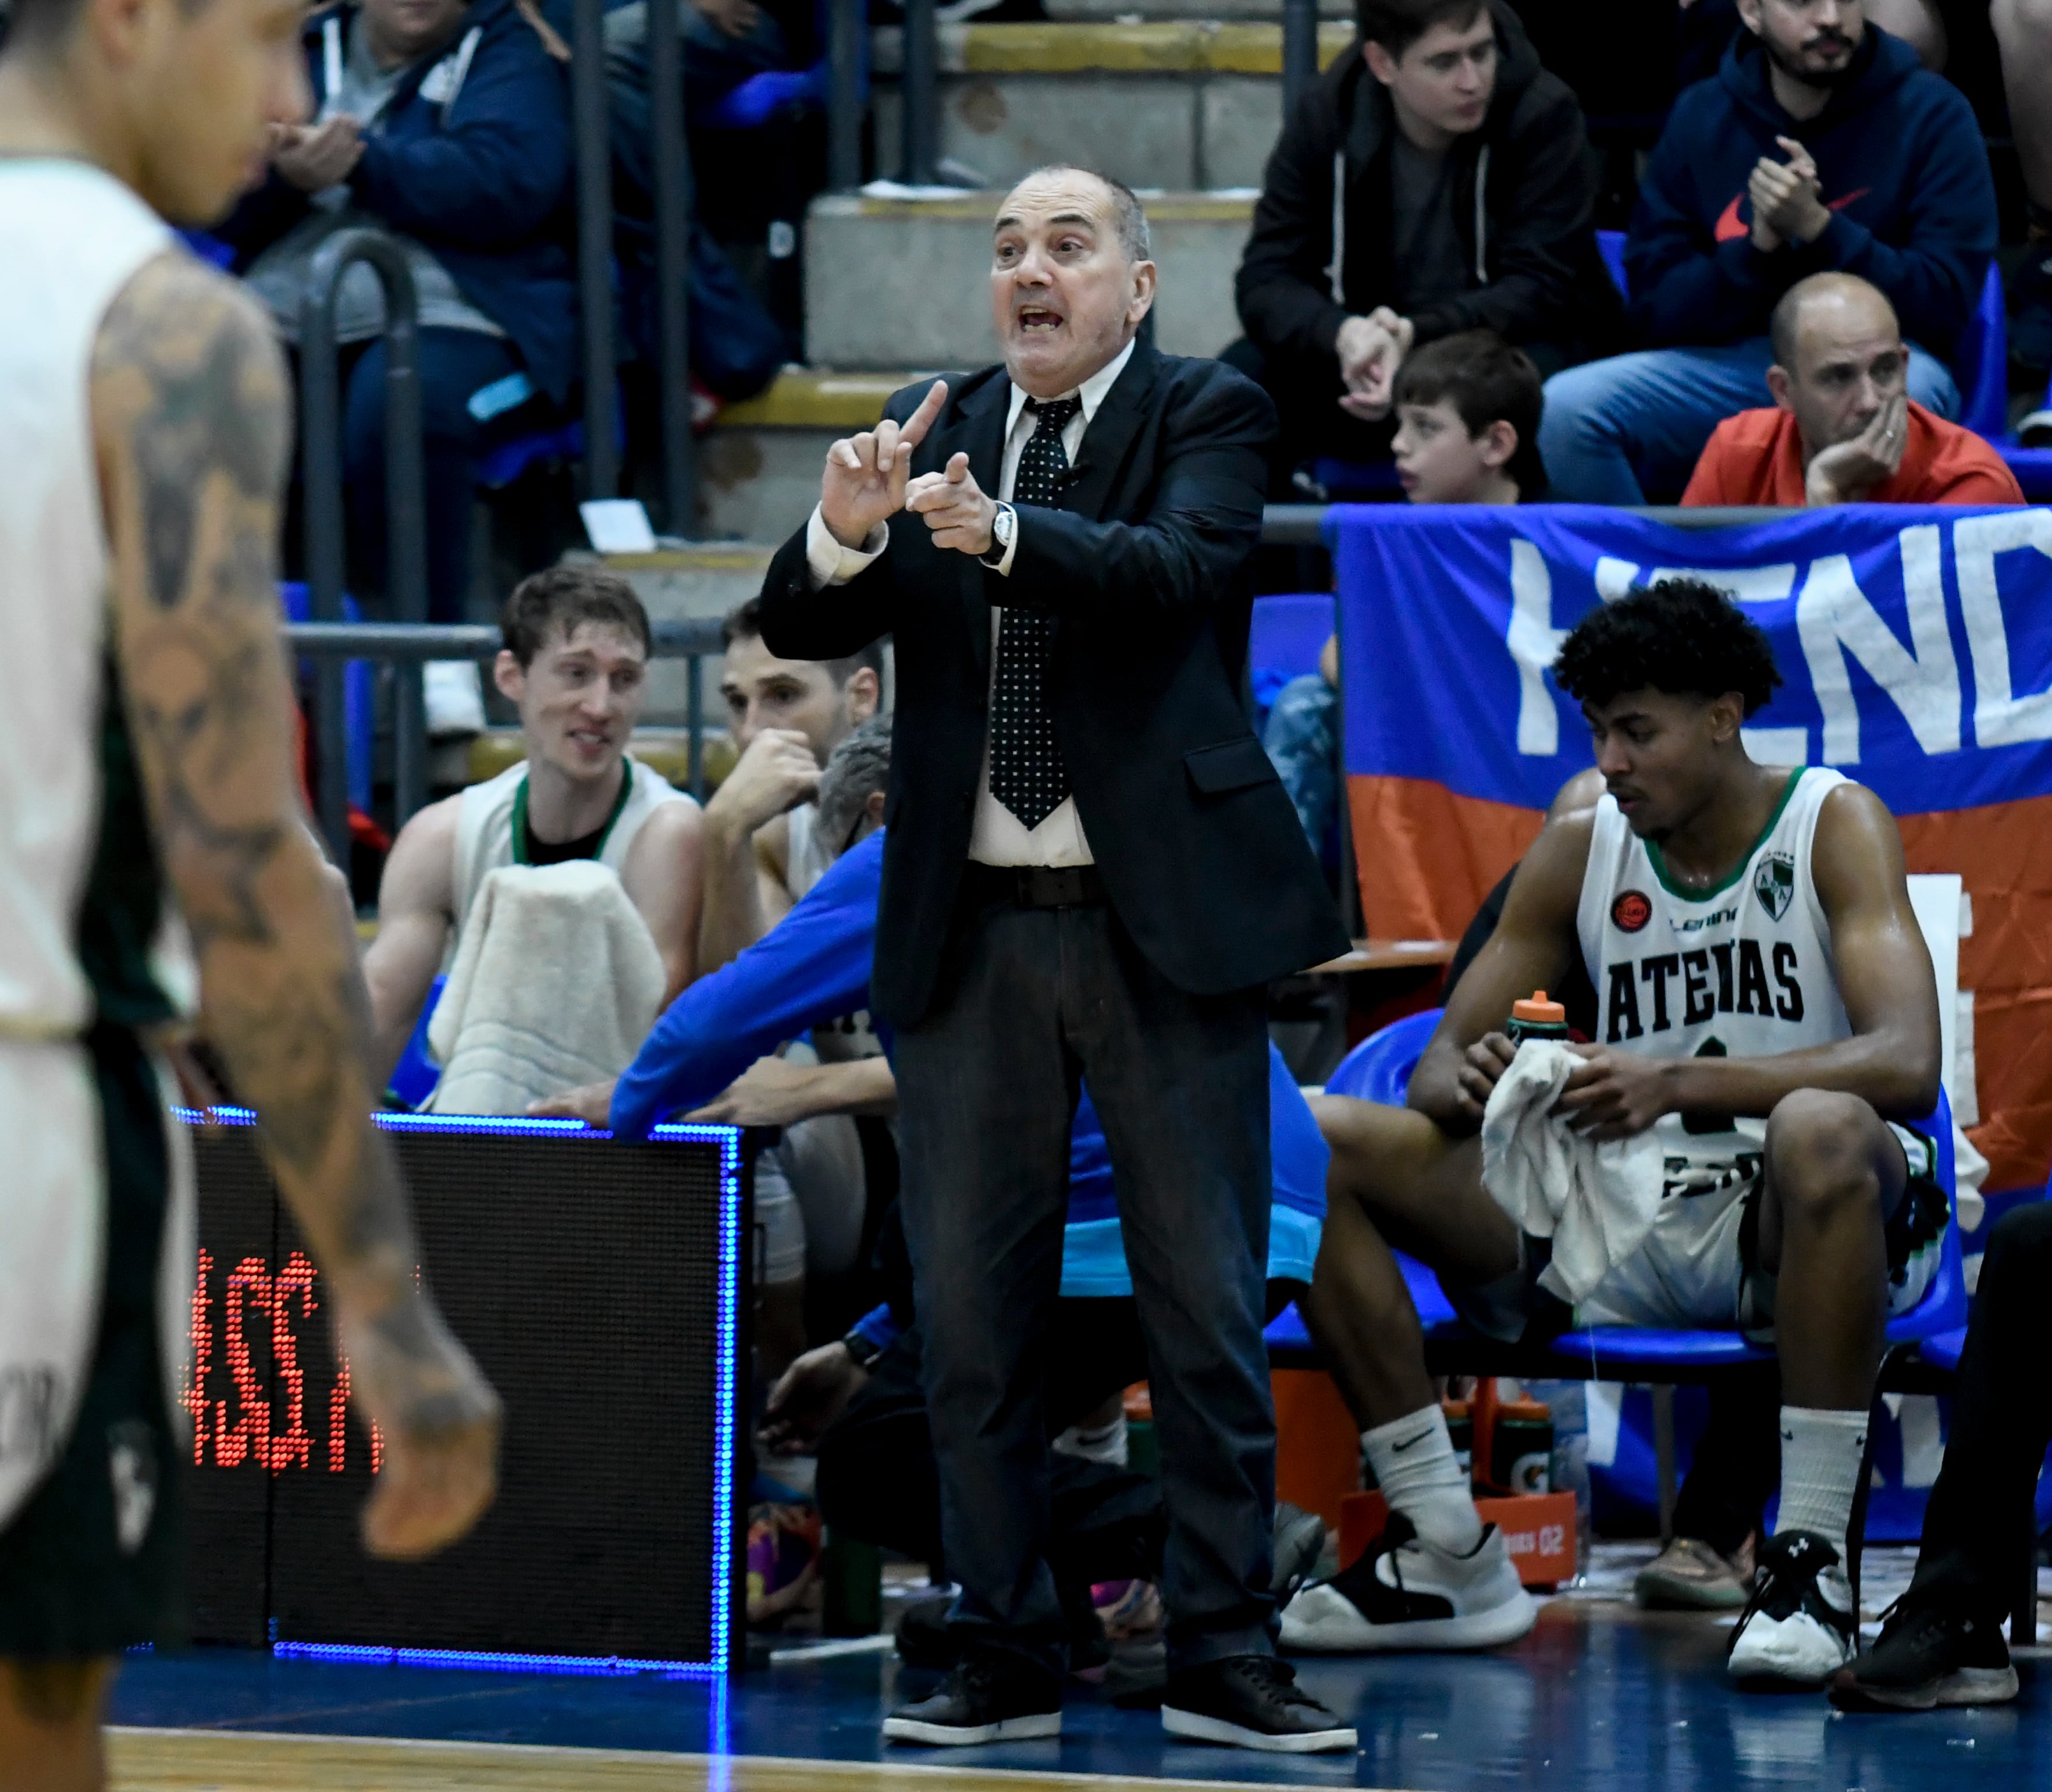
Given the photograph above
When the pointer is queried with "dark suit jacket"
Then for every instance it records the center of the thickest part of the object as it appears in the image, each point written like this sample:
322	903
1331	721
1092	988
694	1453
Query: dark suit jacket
1144	566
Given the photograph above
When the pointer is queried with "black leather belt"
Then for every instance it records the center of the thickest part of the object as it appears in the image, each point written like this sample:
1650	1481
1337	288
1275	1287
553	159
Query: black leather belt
1036	887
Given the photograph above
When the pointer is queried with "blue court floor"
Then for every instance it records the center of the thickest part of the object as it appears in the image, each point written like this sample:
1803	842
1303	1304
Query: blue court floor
1598	1696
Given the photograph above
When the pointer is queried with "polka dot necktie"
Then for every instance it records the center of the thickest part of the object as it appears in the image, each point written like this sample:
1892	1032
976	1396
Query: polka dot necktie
1026	770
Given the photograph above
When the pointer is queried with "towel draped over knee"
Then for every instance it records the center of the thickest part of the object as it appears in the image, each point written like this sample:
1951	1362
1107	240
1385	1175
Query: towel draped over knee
1596	1201
556	983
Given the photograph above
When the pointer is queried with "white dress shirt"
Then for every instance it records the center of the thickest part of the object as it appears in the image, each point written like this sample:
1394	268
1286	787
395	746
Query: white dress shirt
998	837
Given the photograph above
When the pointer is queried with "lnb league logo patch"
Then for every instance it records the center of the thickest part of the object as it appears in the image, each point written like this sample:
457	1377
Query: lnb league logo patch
1774	884
1631	911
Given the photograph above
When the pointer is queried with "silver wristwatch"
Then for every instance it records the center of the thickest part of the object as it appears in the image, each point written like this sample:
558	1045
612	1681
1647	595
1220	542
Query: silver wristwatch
1004	528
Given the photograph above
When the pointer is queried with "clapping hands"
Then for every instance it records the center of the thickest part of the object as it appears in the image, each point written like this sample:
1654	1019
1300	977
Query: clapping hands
1371	349
1788	201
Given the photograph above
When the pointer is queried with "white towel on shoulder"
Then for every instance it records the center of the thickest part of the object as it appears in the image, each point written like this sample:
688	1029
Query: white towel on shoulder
556	983
1596	1201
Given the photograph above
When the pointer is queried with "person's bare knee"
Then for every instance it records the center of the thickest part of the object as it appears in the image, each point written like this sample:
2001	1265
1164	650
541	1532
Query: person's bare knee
1421	1189
1821	1150
2023	33
49	1725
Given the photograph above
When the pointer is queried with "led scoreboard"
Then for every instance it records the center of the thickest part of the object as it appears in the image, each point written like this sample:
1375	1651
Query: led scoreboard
599	1285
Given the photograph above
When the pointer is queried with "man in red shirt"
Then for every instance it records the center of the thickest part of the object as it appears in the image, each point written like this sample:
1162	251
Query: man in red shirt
1843	429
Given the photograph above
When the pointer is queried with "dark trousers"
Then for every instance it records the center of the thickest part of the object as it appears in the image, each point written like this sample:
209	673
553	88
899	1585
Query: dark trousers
1738	1462
1028	1001
453	365
878	1481
1979	1527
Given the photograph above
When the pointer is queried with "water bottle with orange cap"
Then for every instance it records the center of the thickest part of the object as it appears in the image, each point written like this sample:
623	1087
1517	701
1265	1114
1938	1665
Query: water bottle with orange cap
1536	1017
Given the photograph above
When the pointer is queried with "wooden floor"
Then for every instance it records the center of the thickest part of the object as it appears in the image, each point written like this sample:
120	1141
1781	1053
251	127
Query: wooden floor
216	1761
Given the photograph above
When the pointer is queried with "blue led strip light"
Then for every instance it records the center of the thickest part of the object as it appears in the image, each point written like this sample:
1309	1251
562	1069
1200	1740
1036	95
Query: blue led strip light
490	1662
725	1370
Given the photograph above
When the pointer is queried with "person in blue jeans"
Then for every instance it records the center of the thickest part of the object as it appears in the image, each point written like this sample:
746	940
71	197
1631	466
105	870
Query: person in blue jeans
1822	145
445	128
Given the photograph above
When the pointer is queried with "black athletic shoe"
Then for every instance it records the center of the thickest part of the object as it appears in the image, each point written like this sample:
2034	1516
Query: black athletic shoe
1251	1701
1800	1626
986	1700
1927	1657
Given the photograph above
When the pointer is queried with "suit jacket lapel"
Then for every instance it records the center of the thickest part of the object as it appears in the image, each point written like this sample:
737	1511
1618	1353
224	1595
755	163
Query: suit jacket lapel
1111	434
978	431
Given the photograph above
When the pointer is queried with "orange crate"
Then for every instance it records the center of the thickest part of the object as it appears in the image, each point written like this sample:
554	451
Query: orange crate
1539	1528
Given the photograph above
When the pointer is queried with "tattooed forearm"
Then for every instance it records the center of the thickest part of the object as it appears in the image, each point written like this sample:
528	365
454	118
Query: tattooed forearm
191	416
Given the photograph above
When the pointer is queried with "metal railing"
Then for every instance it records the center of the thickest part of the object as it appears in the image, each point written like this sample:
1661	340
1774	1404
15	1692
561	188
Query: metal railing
1304	524
592	133
331	644
405	516
847	29
920	66
1300	52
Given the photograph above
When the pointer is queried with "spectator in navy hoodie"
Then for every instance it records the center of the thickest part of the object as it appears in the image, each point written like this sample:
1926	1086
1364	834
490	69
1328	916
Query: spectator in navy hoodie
445	127
1822	145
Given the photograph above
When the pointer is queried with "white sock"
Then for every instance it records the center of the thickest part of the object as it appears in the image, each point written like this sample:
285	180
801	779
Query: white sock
1821	1453
1414	1464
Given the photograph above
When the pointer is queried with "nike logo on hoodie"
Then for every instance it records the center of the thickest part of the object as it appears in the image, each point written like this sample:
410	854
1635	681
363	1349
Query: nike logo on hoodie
1730	225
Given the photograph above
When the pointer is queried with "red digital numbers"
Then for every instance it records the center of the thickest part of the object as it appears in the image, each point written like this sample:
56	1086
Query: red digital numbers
263	1425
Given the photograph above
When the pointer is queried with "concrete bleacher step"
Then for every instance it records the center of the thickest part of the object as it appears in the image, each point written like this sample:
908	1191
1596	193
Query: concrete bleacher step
895	282
1121	12
759	468
1169	103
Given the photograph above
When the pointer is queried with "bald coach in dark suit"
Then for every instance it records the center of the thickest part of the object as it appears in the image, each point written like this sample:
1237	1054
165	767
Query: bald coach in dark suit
1090	870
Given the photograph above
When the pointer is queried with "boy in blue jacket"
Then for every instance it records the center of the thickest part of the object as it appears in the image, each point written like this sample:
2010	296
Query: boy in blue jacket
1821	145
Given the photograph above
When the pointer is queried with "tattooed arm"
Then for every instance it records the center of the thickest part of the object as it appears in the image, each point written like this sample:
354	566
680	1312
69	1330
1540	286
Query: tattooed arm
192	427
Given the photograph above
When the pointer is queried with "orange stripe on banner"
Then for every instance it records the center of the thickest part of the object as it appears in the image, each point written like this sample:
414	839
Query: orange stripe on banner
1427	858
2003	852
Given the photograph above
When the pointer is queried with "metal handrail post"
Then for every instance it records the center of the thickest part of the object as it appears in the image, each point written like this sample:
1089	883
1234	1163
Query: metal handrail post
846	24
592	136
405	517
1300	53
673	198
919	75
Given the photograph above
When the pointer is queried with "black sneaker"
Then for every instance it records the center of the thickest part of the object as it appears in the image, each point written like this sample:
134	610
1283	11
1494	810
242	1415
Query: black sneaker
1251	1701
987	1699
1800	1626
1926	1657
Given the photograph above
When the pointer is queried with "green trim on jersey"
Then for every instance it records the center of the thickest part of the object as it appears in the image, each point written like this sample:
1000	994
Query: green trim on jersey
124	903
522	856
1745	858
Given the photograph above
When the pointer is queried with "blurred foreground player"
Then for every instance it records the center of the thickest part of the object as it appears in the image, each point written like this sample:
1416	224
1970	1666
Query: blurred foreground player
146	741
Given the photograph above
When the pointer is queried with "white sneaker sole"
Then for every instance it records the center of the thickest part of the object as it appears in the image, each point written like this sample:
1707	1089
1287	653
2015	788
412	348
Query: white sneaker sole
1794	1651
1348	1632
1036	1727
1967	1686
1198	1727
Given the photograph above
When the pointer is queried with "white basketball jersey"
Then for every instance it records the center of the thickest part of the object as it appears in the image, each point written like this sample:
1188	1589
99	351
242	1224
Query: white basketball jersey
1742	971
71	237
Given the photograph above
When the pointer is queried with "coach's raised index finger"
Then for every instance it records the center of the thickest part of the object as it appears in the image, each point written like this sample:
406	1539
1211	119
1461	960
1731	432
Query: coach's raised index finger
921	421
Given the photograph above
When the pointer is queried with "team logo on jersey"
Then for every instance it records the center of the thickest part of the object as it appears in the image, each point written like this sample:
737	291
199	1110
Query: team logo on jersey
1774	884
1631	911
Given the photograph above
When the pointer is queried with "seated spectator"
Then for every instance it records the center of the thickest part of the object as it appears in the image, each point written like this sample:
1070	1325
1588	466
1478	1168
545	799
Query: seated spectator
1822	146
574	664
764	849
1466	187
1467	409
1783	1186
1843	429
1940	1643
814	1187
443	126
